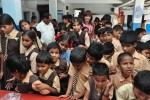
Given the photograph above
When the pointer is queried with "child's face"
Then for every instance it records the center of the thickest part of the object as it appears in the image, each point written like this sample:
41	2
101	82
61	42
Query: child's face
63	45
117	34
55	54
17	75
126	66
76	26
78	66
42	67
25	26
63	31
108	37
102	38
87	18
6	28
86	30
26	41
90	60
140	95
130	48
141	35
100	81
146	53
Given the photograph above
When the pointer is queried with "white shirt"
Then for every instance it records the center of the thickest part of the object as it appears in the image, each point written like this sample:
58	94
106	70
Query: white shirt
47	32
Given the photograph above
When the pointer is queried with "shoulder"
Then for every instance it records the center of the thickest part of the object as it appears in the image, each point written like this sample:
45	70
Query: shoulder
125	88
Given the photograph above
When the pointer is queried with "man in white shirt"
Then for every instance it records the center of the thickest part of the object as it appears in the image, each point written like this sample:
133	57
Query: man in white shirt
46	28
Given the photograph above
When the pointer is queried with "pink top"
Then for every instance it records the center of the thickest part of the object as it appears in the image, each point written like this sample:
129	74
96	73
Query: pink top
90	27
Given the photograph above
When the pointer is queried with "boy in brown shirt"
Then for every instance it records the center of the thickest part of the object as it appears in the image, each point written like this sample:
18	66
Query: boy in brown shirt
79	74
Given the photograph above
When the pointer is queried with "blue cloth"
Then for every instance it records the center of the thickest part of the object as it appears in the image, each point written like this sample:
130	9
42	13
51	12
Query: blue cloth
66	55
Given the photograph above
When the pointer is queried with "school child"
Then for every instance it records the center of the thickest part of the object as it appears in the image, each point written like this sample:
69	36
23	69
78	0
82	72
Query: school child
108	35
85	29
48	77
100	34
138	90
64	42
62	30
96	55
128	41
117	31
140	32
59	65
126	70
84	39
87	22
19	67
108	24
99	87
66	20
79	74
10	43
24	25
29	41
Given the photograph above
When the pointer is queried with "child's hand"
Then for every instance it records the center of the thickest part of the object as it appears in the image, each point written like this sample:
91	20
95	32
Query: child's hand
75	97
41	86
109	84
63	96
9	85
113	70
62	75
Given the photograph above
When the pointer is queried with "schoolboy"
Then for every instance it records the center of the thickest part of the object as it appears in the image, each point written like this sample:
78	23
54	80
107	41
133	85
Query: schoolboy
140	32
138	90
117	31
100	34
79	74
99	87
96	55
126	66
128	42
108	34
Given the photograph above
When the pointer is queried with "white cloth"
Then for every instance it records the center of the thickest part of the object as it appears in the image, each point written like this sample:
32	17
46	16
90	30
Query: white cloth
145	38
47	32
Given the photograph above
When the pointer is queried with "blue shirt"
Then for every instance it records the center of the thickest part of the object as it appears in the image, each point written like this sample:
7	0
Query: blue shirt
66	55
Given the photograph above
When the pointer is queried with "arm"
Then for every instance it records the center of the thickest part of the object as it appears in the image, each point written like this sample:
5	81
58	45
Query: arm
1	66
33	62
86	95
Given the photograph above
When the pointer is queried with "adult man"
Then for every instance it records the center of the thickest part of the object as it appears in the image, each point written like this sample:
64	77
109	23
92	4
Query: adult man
46	28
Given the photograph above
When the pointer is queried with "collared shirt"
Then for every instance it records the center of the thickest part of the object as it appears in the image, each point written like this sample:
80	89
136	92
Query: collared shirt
140	62
12	34
56	81
105	61
32	58
119	80
87	39
125	92
83	76
47	32
117	45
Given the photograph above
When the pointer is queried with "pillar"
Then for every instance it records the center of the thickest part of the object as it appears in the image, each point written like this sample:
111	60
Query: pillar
53	8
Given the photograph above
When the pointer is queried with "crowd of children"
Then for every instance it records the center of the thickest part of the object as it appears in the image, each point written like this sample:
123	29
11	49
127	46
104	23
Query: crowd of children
89	61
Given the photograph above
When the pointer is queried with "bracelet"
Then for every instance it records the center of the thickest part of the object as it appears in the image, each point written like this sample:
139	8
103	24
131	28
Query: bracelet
105	95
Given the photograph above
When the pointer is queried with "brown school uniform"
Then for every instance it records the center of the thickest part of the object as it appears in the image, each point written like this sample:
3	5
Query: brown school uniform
95	93
119	80
50	78
83	76
117	45
105	61
84	38
31	55
12	48
61	66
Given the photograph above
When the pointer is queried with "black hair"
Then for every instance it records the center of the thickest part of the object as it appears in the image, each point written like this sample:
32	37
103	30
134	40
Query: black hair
33	17
63	27
122	55
44	57
129	37
96	19
18	63
140	30
46	15
101	31
74	36
84	28
141	46
31	34
108	23
88	13
77	19
96	50
6	19
38	33
108	48
21	21
118	28
53	45
142	82
78	55
108	30
65	17
106	17
64	37
100	69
